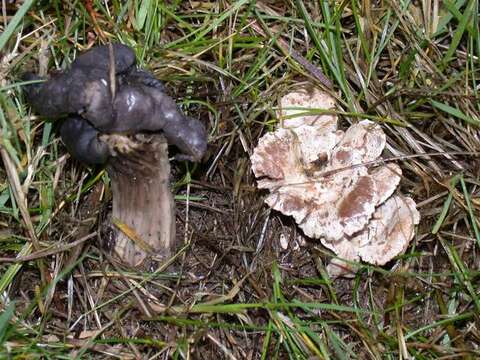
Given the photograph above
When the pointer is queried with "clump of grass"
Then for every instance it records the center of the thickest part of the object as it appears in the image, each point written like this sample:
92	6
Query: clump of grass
231	291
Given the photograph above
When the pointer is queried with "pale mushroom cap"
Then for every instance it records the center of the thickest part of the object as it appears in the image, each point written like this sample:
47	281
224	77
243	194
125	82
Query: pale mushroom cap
305	101
386	236
276	160
333	205
362	142
317	132
389	233
327	181
386	180
358	204
316	144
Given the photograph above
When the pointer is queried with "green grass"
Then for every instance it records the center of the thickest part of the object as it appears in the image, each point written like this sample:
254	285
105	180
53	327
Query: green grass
232	291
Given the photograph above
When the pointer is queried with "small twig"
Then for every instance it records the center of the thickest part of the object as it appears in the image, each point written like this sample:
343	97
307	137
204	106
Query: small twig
112	71
381	161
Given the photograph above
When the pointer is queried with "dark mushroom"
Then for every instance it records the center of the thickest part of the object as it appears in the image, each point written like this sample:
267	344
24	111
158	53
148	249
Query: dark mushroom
86	85
120	116
82	142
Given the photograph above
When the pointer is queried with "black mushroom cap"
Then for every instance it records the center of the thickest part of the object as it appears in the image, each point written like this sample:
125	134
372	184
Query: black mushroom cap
139	103
190	137
85	85
82	142
99	58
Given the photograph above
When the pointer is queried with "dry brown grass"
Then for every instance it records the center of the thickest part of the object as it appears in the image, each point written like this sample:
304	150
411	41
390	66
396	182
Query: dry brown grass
232	291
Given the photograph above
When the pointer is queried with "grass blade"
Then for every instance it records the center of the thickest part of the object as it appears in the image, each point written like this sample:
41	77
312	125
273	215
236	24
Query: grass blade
14	22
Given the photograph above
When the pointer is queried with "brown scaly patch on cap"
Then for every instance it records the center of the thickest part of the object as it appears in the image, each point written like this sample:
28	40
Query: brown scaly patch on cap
356	207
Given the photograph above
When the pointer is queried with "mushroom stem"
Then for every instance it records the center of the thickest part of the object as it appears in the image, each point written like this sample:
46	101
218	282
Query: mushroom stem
143	207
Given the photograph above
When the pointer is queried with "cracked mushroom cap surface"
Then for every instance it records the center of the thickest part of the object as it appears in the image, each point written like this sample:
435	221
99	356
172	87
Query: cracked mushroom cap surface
317	132
339	197
386	236
327	180
389	231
